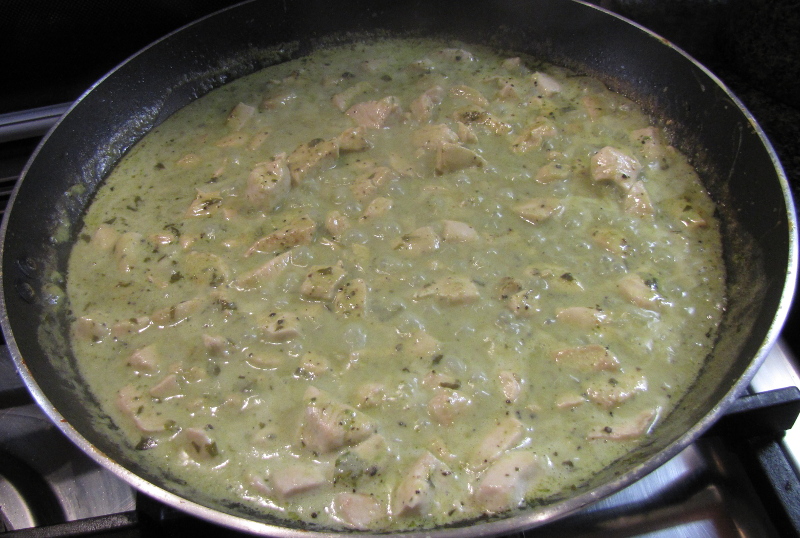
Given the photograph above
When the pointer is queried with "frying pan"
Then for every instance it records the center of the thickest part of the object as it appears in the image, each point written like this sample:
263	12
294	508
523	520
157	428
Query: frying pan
706	121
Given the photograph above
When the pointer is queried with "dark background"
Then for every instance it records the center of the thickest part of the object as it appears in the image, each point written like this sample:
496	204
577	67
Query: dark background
51	51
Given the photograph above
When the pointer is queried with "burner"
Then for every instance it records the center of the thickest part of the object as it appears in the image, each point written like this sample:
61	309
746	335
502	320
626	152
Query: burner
44	478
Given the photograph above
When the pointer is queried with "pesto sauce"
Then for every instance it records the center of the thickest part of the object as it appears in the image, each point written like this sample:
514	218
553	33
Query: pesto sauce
307	317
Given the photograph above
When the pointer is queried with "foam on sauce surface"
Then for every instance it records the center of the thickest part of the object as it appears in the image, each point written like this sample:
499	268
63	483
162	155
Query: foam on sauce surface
396	285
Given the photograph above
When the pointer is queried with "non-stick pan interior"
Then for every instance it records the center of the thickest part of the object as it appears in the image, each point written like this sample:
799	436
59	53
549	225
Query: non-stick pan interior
707	123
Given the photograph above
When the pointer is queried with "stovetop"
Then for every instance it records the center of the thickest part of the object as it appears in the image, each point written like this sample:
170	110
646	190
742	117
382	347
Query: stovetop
740	479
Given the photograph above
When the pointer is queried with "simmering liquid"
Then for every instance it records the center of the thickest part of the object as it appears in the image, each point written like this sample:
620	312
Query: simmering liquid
394	285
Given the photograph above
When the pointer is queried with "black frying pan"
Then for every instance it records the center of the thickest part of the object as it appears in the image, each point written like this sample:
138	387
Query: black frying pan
736	162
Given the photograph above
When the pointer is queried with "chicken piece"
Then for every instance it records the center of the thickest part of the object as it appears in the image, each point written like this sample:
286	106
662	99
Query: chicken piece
447	405
569	401
167	388
216	345
581	317
297	478
265	360
104	238
204	204
357	510
160	239
534	135
172	315
313	156
268	183
127	251
298	232
278	98
415	492
377	207
454	157
508	90
350	299
593	106
375	114
321	281
198	444
366	185
507	481
611	164
616	390
90	329
552	172
422	107
257	140
265	272
649	142
139	408
281	327
524	303
130	326
592	357
434	379
637	201
421	240
312	366
469	94
502	437
474	115
370	395
353	139
625	429
511	385
611	240
512	64
433	136
342	100
336	224
458	232
421	344
233	140
239	116
538	210
635	290
146	359
451	290
545	84
329	425
465	133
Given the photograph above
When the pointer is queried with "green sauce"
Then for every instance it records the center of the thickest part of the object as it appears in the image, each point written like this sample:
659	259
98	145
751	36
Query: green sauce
357	288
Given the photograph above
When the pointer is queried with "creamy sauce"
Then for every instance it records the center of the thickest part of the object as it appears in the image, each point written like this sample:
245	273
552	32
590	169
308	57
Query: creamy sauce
396	285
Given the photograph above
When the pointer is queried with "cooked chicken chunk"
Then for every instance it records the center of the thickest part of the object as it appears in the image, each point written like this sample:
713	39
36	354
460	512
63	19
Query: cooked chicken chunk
453	290
375	114
318	154
329	425
269	182
504	485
